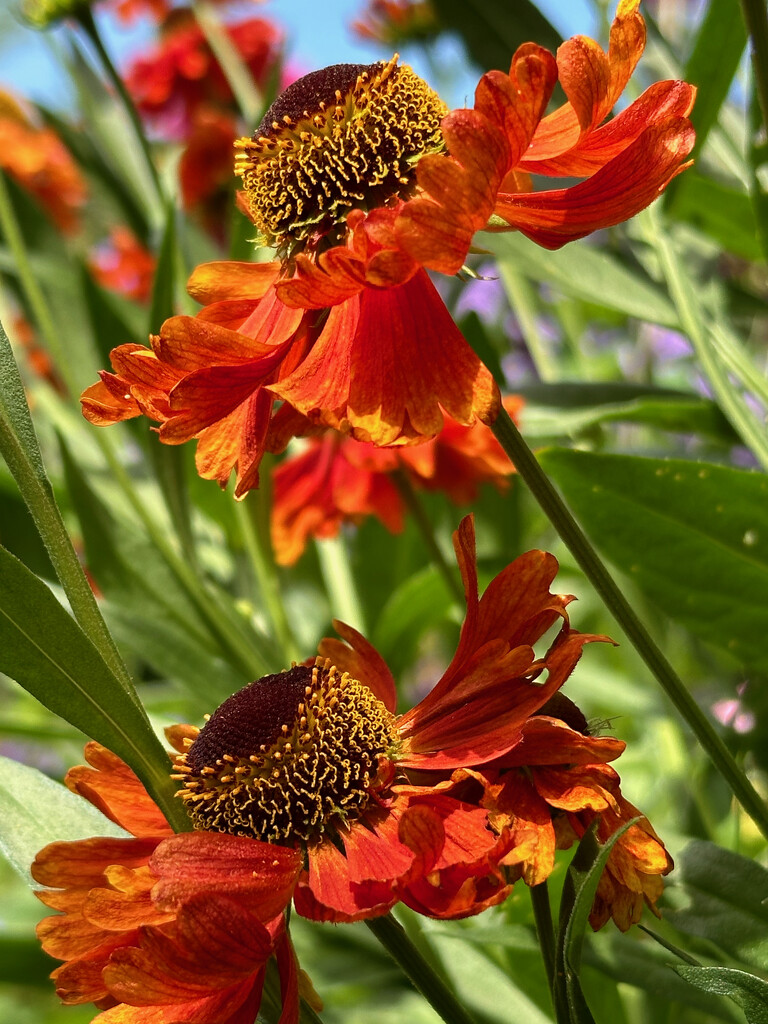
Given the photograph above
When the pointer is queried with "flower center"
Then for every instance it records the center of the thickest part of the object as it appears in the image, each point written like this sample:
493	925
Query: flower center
347	137
289	757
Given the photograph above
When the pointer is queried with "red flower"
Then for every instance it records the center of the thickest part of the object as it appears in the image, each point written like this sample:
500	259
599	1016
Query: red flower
306	784
337	480
181	76
131	944
37	159
360	179
550	789
124	265
397	21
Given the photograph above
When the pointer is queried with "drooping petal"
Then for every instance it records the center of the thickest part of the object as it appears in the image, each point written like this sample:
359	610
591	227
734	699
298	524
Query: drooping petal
110	785
386	363
260	875
617	191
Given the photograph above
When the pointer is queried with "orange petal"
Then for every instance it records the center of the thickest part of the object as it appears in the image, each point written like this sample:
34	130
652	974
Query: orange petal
619	190
213	282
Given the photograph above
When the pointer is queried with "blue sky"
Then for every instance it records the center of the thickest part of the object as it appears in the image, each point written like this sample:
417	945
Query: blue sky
318	33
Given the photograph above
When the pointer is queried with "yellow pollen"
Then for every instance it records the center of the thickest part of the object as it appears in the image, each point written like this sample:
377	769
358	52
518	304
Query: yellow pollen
313	772
348	137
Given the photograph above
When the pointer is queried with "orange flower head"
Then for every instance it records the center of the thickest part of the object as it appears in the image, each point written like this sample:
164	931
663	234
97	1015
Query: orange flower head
289	758
362	181
344	138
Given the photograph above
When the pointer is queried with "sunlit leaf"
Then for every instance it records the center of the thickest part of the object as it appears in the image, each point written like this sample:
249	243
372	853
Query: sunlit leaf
36	810
692	536
46	652
747	991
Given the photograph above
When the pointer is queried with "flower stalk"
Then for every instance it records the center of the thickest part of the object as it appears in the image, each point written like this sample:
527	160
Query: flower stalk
420	973
513	443
88	25
756	18
421	519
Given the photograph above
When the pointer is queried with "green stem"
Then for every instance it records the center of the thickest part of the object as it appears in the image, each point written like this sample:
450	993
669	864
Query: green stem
236	71
511	440
756	18
38	305
545	929
521	299
86	21
683	294
339	582
418	970
253	519
227	631
415	506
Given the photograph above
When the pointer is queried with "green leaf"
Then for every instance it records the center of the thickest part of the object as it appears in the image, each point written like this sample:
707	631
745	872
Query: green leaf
581	271
492	32
723	213
647	967
728	905
18	440
46	652
22	961
417	604
164	286
578	896
692	536
36	810
687	414
747	991
714	61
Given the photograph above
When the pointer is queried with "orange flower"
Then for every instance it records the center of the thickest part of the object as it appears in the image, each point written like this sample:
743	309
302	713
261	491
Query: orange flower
551	788
360	179
338	480
315	760
124	265
142	942
205	168
181	75
37	159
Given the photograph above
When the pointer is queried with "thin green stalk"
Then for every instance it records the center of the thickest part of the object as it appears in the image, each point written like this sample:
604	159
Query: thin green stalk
511	440
545	929
418	970
416	508
252	516
683	295
9	226
756	18
236	71
252	662
521	298
86	21
339	582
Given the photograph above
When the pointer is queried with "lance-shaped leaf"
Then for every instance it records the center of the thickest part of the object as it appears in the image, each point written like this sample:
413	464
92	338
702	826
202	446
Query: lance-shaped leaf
747	991
579	890
46	652
36	810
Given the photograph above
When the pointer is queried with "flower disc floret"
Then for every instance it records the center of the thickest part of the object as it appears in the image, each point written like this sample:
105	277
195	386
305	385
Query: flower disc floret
290	757
346	137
